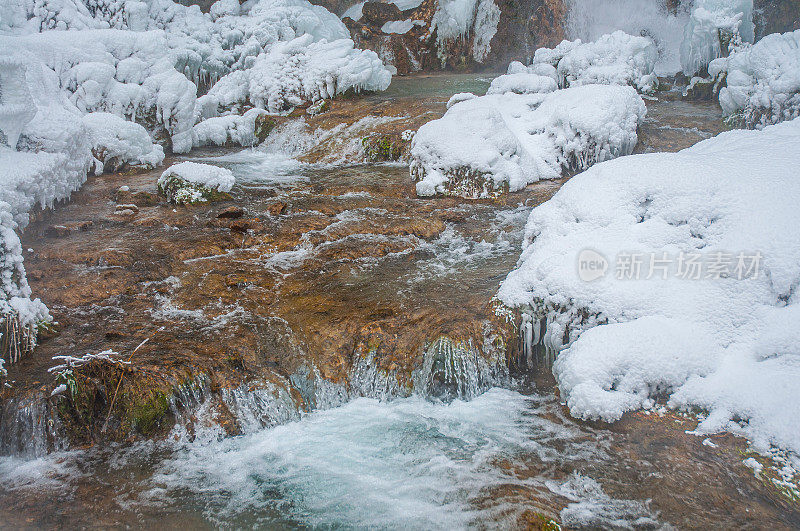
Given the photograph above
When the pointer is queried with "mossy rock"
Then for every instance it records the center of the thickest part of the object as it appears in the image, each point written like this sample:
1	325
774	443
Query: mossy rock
182	192
384	147
264	125
147	415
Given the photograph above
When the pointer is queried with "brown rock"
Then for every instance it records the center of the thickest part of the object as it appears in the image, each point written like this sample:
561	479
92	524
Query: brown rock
276	209
240	225
233	212
378	13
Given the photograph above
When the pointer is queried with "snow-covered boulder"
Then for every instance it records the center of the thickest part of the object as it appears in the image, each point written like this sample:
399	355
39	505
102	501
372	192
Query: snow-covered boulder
674	275
298	71
713	25
192	182
763	81
522	83
613	59
502	142
117	143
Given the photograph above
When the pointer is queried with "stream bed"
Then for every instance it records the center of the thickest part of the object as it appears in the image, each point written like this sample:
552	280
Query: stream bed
325	267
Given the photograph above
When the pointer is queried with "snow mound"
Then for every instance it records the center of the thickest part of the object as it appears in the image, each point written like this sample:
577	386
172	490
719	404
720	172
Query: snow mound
502	142
613	59
117	143
522	83
710	319
298	71
192	182
712	26
763	81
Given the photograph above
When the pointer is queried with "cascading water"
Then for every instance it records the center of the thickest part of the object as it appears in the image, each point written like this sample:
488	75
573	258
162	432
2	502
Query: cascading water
590	19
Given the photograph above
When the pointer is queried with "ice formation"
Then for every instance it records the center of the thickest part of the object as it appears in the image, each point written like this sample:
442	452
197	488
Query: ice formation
192	182
456	19
613	59
589	20
712	26
763	81
506	141
698	299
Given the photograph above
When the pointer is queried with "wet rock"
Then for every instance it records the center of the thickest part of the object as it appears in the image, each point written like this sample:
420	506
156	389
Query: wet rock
264	125
385	147
140	198
240	225
378	13
277	208
233	212
775	16
126	210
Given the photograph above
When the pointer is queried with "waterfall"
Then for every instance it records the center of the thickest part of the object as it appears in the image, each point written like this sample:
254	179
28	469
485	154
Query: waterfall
590	19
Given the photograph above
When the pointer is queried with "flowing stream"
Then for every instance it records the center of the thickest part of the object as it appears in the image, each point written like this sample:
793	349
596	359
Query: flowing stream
509	457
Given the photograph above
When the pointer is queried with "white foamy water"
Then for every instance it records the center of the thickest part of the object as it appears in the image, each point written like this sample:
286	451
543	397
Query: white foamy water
590	19
259	167
406	463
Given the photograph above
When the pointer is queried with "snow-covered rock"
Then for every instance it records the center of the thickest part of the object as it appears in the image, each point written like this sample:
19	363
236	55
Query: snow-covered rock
502	142
117	143
763	81
613	59
234	129
522	83
192	182
712	26
298	71
675	275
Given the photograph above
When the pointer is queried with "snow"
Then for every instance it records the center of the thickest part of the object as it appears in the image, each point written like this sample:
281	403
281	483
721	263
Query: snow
486	144
401	26
763	80
298	71
117	143
233	129
522	83
615	59
725	344
711	24
205	175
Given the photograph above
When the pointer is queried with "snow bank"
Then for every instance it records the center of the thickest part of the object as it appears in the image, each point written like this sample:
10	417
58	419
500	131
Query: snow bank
192	182
145	61
714	24
502	142
763	81
711	320
298	71
613	59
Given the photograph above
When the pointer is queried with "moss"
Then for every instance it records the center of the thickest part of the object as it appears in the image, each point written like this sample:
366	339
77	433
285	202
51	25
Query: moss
264	125
384	148
182	192
146	415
